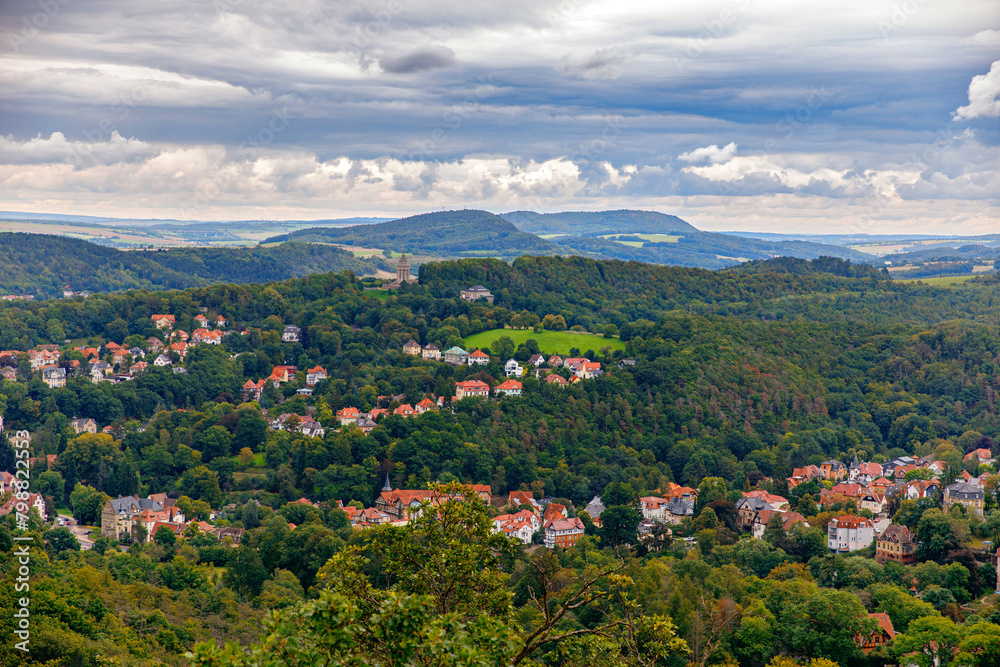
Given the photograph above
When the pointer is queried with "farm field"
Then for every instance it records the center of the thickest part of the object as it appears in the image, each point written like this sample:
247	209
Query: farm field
552	342
939	281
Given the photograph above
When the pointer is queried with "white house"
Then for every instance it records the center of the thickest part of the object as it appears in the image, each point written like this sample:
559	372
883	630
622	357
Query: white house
513	369
849	533
654	508
510	388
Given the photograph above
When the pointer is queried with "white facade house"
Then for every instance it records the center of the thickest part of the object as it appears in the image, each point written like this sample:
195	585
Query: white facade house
849	533
513	369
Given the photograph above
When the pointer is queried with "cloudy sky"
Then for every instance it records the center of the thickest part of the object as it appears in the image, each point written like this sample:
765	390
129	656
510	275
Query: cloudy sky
873	116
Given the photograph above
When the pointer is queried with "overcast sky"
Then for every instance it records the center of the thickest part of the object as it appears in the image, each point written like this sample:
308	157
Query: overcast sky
873	116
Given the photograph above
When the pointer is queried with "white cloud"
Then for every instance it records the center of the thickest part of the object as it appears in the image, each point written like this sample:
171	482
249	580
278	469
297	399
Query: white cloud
713	154
984	91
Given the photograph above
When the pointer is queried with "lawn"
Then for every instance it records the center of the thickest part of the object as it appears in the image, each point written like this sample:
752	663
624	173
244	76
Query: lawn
551	342
939	281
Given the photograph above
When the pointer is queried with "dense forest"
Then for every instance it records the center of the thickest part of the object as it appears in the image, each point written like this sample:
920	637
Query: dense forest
596	223
739	377
449	233
40	265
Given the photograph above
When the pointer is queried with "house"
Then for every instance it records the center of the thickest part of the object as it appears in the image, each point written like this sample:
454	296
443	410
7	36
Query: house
575	362
201	320
425	405
35	501
412	347
520	498
624	363
315	375
747	509
536	360
405	410
370	517
587	370
594	508
513	369
471	388
431	352
366	425
554	512
180	334
291	334
896	543
563	533
883	634
475	293
921	488
654	508
220	322
9	374
136	352
833	470
848	489
873	501
119	516
252	390
54	376
964	494
864	473
763	518
348	415
509	388
478	358
40	358
455	356
154	344
557	380
312	428
804	474
775	501
162	360
282	374
519	526
848	533
403	505
680	508
100	371
87	425
983	456
163	321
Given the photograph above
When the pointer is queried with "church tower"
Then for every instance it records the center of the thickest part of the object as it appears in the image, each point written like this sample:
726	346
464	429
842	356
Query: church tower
403	270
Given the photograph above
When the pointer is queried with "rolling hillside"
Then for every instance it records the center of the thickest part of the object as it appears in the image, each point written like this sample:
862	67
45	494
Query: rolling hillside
41	265
595	223
452	233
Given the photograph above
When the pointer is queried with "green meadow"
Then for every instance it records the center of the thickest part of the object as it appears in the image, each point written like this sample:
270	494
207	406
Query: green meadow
552	342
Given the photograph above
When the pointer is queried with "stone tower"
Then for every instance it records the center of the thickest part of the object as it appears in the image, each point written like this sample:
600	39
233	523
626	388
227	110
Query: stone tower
402	270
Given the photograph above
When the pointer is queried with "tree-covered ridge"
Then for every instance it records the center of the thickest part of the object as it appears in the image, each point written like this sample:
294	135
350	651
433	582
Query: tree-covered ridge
739	376
595	223
465	232
42	265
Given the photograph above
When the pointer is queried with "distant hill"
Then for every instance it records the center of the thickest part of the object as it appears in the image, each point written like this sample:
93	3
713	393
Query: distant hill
452	233
41	265
595	223
706	250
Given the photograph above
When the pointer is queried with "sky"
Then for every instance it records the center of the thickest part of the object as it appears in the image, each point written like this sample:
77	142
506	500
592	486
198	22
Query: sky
858	116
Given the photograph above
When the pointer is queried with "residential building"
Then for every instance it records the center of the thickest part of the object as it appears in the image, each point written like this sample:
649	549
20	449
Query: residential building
520	525
315	375
555	361
291	334
471	388
563	533
763	518
86	425
680	508
883	634
536	360
833	470
896	543
162	360
594	508
965	494
455	356
431	352
477	292
366	425
405	410
412	347
252	390
349	415
557	380
654	508
478	358
588	370
509	388
425	405
747	509
873	501
220	322
163	321
513	369
848	533
54	376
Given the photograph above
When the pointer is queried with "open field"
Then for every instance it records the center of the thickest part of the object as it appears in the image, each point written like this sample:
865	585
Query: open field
552	342
938	281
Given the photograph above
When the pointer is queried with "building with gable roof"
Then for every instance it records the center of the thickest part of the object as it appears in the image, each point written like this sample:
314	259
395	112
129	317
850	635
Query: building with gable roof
848	533
431	352
475	293
896	543
478	358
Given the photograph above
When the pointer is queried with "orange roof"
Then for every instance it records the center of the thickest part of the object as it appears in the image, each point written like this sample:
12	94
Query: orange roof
318	369
509	385
479	354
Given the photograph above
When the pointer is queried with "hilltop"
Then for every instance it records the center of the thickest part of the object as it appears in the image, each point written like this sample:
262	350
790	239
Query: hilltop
453	233
592	223
41	265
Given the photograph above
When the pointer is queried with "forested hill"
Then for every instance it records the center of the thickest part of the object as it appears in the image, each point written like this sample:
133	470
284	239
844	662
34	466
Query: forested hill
440	233
586	223
41	265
